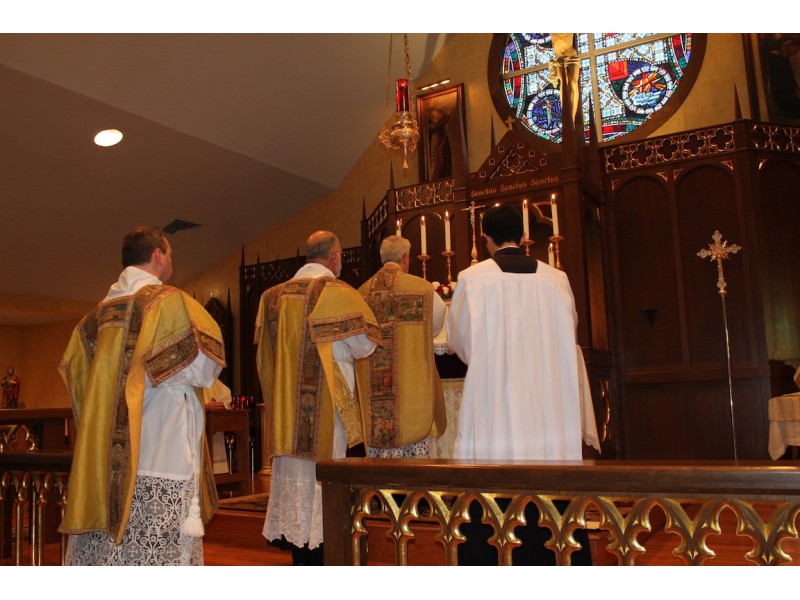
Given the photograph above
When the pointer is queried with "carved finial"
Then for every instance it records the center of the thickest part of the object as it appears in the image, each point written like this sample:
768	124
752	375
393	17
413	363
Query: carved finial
737	105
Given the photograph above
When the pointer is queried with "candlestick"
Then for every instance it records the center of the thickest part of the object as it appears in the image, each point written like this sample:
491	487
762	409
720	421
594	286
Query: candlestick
424	259
525	226
554	208
448	254
446	231
423	236
556	239
526	243
398	227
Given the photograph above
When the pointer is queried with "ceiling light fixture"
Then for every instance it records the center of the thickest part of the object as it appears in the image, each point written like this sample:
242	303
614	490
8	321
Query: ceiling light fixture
433	85
403	134
108	137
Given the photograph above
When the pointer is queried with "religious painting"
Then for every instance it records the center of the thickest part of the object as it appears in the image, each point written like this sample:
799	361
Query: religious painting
779	55
442	135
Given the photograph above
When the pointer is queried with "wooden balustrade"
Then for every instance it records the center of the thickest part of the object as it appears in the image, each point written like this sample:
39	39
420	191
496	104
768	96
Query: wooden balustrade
616	497
33	488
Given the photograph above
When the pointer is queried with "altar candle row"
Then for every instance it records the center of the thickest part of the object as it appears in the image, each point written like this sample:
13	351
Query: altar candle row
525	225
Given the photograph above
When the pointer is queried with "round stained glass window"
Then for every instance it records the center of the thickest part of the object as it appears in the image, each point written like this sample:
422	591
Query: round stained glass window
626	79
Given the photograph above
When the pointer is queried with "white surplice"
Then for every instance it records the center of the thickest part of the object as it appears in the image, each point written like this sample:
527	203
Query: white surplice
516	333
294	509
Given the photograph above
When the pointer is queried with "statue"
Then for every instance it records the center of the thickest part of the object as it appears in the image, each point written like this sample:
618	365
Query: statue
10	389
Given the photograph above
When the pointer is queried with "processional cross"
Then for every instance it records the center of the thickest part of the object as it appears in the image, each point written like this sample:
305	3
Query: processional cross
719	251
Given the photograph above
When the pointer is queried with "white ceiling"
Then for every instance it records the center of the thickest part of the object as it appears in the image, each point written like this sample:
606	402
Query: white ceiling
234	132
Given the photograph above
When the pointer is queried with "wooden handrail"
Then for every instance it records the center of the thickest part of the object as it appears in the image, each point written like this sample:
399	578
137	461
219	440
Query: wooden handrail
620	495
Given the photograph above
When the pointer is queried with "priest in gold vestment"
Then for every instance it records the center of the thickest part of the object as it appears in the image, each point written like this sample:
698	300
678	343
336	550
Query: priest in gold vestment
403	404
140	488
309	330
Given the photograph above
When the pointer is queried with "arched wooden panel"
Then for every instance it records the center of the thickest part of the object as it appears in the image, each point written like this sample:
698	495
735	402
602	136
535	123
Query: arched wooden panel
647	287
779	206
706	202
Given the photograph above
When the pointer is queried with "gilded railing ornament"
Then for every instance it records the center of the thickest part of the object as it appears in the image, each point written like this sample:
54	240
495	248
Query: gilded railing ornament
692	520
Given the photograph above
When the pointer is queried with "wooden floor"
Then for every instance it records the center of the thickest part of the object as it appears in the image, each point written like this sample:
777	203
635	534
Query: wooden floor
233	538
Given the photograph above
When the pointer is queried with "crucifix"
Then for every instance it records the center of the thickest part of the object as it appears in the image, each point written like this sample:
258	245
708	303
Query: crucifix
719	251
471	208
509	121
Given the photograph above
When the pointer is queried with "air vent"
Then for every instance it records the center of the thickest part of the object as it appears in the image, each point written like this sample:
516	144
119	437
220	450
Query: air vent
178	225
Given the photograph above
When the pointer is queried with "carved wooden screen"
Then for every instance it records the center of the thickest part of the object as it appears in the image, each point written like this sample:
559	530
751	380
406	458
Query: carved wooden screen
224	318
667	197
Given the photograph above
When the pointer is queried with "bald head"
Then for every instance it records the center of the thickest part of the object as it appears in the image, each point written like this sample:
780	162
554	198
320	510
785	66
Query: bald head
323	247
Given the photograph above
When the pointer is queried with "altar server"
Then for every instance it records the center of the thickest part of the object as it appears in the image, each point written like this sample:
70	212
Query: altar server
513	322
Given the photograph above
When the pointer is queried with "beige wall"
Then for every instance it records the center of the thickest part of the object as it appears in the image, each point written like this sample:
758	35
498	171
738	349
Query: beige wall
10	348
712	99
35	352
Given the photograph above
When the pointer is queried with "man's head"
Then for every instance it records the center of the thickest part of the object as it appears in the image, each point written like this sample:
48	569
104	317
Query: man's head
323	247
148	248
502	225
396	249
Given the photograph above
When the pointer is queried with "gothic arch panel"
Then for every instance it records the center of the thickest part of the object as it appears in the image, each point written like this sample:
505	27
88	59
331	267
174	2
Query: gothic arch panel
648	314
706	202
779	205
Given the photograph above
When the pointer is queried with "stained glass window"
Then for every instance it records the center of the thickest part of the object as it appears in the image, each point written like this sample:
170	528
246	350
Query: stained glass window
625	78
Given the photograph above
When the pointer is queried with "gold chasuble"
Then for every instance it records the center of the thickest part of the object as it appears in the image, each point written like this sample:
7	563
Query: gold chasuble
301	318
159	331
404	402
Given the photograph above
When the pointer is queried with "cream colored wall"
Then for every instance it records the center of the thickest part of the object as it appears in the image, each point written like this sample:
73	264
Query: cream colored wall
10	348
463	59
711	101
35	351
42	348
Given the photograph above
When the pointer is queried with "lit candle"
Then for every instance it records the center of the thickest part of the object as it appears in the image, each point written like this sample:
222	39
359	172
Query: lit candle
401	98
525	226
422	236
551	256
446	231
554	207
397	228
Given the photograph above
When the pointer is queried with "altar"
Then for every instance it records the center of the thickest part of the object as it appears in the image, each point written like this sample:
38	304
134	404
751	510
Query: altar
784	424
